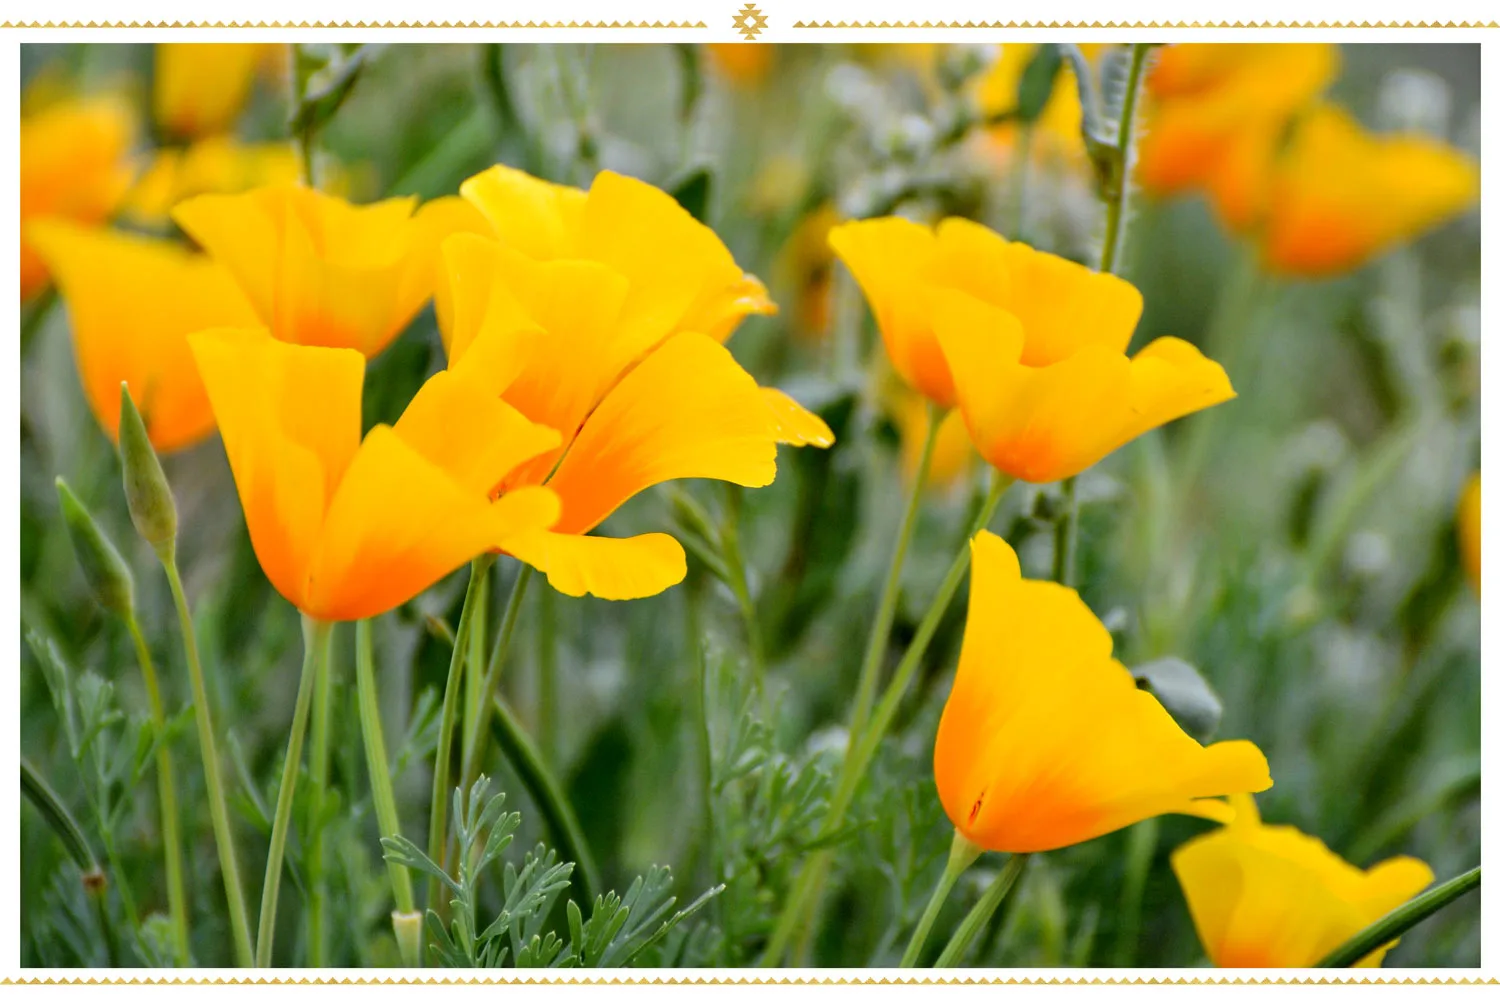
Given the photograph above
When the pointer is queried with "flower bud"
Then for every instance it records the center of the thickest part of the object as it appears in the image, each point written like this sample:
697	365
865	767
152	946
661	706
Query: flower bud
152	508
103	567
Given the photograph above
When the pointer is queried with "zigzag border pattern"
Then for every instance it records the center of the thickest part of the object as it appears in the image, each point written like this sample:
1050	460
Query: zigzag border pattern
824	25
653	25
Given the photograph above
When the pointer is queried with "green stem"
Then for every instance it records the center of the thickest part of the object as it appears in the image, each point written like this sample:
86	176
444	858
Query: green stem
885	614
546	673
1065	534
1140	849
1397	922
960	855
1119	196
166	789
437	825
979	915
474	664
382	793
1023	176
800	910
317	770
739	584
473	754
549	796
315	637
62	821
239	922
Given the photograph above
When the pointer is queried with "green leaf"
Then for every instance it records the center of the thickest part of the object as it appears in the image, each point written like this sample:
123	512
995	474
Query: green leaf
1037	80
692	190
1184	693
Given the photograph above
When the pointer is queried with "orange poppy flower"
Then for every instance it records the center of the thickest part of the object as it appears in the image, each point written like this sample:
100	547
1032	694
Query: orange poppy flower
744	63
200	88
574	345
132	301
1271	896
346	529
1468	529
317	269
73	167
1046	741
1341	196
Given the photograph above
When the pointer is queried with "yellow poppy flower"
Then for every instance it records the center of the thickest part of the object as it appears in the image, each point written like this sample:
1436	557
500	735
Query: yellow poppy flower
805	264
1036	344
132	301
1468	529
73	167
214	165
681	276
1341	196
1046	741
1216	114
200	88
744	63
635	405
346	529
317	269
1273	897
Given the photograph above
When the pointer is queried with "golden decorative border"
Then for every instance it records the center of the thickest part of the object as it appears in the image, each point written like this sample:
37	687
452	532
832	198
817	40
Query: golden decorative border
821	25
763	978
653	25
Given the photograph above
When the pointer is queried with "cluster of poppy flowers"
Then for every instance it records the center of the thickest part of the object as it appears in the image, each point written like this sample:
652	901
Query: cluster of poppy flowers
584	334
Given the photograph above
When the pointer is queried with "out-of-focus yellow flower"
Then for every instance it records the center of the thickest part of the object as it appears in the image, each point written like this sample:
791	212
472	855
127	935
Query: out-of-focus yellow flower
74	167
681	276
346	529
576	345
1046	741
1468	529
214	165
200	87
317	269
1341	196
1060	127
1216	115
744	63
1273	897
1030	346
952	453
805	264
132	301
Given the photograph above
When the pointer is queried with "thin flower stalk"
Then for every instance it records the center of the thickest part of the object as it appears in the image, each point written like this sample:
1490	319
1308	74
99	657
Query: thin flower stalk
473	750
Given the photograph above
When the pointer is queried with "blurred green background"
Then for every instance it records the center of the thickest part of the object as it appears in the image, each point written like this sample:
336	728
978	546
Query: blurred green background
1309	568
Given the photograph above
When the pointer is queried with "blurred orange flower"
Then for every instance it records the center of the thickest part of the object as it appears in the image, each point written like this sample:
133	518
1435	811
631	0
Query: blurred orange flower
1468	529
74	167
952	453
1271	896
1341	196
1046	741
575	345
200	88
1216	115
805	264
132	301
744	63
346	529
218	164
317	269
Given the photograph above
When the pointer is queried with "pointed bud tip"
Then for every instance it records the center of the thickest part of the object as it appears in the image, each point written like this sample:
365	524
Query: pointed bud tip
104	569
147	492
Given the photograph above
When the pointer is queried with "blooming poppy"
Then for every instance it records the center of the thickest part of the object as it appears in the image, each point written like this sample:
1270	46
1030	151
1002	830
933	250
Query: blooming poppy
570	344
74	166
1340	196
199	88
1274	897
681	276
317	269
1216	116
132	301
1035	344
743	63
1046	741
1468	529
218	164
346	529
